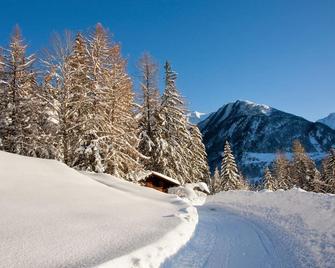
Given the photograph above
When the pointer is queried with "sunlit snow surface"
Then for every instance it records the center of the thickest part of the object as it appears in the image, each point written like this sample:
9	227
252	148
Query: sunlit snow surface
262	229
54	216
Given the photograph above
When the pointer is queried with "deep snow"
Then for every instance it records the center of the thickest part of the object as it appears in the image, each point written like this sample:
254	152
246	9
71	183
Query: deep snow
54	216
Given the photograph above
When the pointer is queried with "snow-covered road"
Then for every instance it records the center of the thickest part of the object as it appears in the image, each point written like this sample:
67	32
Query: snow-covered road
227	238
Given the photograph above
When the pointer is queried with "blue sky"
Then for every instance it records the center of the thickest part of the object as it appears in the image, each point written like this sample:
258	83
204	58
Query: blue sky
278	52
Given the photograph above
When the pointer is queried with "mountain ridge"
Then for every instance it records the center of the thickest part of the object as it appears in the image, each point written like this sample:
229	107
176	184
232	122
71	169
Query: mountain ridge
257	129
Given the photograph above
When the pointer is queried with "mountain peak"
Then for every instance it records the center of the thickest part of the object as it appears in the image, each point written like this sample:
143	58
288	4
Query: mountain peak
328	120
195	117
249	105
256	132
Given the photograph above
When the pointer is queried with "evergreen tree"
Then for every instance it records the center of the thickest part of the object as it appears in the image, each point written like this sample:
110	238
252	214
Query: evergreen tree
215	182
230	176
149	108
199	170
19	113
172	137
269	182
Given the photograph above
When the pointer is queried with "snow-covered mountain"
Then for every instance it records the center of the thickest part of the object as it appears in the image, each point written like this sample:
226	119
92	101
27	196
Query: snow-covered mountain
328	120
195	117
256	132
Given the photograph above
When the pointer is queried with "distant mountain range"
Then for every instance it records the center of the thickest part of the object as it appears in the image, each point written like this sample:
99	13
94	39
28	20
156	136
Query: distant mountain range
329	120
256	132
195	117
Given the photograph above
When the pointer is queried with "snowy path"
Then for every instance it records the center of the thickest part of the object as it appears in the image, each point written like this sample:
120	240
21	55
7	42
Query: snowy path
226	238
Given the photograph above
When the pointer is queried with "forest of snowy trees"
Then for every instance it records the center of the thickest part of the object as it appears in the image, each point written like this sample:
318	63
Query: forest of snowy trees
283	174
77	105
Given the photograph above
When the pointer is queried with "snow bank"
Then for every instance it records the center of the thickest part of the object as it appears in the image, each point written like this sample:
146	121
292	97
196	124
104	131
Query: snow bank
193	193
156	253
308	218
54	216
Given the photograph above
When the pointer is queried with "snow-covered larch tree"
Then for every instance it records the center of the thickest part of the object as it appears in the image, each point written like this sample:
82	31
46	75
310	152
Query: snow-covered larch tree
281	172
303	170
150	102
66	85
269	183
86	107
19	107
118	125
230	176
328	175
57	97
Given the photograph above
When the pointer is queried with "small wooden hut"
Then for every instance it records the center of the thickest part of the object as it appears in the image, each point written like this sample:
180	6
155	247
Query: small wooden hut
158	181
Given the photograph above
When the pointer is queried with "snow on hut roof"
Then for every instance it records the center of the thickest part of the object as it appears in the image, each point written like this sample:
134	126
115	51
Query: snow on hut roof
145	174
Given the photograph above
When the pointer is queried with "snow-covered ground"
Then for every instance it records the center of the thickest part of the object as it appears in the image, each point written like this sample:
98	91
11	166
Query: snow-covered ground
264	229
54	216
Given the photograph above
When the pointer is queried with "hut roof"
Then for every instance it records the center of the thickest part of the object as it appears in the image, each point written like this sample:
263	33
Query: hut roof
162	176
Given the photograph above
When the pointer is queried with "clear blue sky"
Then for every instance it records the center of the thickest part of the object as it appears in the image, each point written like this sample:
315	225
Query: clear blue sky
277	52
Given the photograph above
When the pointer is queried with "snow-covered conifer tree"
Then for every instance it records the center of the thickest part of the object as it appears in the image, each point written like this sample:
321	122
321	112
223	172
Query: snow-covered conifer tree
215	182
269	182
230	175
3	106
118	125
172	137
199	170
329	173
19	112
303	170
281	172
65	85
150	102
86	104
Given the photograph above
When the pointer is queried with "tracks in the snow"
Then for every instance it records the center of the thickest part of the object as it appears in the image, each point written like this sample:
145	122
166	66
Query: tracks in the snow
224	238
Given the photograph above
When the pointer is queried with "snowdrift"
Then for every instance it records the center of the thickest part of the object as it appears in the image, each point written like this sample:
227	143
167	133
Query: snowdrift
54	216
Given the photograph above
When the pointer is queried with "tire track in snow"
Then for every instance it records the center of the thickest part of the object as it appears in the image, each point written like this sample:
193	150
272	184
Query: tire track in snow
224	238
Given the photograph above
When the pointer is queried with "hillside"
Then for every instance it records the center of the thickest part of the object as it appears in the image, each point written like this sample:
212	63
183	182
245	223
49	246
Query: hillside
54	216
256	132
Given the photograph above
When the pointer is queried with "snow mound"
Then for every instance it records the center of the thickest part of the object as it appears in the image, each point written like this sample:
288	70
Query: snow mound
194	193
54	216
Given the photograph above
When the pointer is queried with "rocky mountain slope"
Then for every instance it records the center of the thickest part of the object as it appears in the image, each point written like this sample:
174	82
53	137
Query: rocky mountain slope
256	132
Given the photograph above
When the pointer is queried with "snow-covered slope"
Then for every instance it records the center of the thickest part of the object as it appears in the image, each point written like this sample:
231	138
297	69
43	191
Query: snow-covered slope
262	229
328	120
54	216
195	117
256	132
